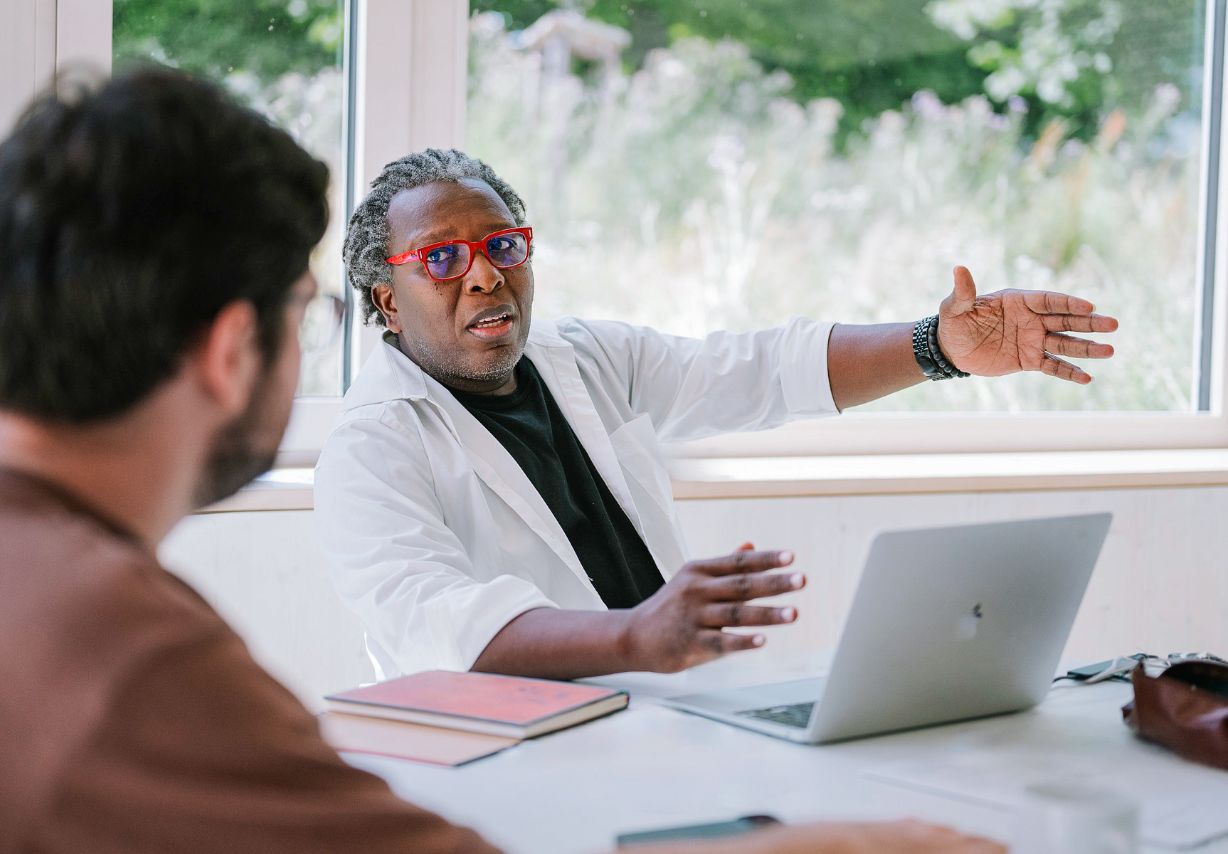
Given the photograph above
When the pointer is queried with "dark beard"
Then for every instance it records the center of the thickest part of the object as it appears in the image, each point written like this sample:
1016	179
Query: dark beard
233	460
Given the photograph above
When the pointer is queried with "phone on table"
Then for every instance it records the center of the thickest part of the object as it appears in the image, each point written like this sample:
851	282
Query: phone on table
713	830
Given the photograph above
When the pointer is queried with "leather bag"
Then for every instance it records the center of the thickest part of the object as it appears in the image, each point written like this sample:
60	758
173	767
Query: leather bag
1185	709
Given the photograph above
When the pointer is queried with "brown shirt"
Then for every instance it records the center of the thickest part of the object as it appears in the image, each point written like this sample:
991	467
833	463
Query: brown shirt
133	719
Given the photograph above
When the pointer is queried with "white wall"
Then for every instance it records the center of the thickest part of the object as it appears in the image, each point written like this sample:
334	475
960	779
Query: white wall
1161	584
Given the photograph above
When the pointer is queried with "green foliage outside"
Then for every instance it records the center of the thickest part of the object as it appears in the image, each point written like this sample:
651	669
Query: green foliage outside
747	161
215	38
851	50
872	55
695	193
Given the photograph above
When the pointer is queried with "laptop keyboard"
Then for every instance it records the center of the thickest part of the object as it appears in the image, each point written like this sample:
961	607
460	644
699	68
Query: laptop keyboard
794	714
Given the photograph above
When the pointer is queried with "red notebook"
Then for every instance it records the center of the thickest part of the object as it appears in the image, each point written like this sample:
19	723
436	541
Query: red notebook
481	702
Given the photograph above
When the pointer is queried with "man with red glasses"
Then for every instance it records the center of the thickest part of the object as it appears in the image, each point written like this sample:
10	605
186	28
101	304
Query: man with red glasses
494	496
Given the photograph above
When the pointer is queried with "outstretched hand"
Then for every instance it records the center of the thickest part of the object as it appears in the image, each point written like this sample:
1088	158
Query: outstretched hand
683	624
1015	330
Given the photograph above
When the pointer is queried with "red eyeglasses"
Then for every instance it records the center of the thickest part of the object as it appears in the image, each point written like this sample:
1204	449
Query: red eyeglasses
451	259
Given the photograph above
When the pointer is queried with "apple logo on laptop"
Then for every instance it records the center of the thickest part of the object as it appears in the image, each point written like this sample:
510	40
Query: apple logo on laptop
966	626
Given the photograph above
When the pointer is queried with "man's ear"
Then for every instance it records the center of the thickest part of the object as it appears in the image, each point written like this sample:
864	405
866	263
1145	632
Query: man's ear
385	300
228	357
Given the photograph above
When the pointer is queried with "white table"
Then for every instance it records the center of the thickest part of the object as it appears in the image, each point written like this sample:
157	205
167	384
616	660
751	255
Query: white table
651	766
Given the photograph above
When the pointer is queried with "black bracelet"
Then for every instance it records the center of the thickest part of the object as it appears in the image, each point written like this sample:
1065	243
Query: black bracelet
933	362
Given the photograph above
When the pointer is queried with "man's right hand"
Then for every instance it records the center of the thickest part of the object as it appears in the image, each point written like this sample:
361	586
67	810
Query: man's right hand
682	624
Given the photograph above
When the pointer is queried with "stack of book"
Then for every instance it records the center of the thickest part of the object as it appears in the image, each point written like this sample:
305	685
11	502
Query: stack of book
446	718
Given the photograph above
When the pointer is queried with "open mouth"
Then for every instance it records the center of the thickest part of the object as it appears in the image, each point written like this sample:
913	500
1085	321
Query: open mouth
493	327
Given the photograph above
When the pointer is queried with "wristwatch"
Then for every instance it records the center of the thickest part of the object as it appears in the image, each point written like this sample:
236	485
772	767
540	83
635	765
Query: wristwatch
934	363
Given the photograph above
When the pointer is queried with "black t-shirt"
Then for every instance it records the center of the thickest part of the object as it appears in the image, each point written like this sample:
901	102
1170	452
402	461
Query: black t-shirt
530	425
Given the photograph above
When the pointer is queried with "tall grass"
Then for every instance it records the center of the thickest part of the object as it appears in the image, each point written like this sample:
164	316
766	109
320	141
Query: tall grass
695	194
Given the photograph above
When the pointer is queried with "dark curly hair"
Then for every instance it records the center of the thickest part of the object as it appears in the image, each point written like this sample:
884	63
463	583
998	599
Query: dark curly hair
366	237
131	213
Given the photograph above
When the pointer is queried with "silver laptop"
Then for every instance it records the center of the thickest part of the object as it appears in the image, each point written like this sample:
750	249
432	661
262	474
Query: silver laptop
946	624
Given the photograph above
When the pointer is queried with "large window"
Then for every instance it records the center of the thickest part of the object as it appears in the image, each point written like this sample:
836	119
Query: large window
722	164
285	59
711	164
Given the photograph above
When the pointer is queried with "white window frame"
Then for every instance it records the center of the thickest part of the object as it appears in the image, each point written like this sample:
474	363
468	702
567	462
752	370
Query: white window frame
39	38
410	79
407	64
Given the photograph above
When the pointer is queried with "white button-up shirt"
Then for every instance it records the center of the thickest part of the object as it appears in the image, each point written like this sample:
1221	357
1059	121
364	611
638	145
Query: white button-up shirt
436	537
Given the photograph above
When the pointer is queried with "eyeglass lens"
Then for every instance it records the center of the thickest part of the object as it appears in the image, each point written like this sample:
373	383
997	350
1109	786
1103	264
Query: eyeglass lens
453	260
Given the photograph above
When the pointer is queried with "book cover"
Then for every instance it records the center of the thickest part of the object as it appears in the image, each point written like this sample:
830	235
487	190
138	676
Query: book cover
481	701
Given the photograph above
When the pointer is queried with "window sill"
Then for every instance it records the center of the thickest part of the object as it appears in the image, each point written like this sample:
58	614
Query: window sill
281	489
894	474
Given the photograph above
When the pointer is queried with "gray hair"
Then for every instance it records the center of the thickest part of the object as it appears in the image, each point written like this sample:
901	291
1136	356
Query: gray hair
366	238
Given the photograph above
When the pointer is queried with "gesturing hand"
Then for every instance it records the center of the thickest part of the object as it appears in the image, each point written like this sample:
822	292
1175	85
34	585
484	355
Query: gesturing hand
682	624
1014	330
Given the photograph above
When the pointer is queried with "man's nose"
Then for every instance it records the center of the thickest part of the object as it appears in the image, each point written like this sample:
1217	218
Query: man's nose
483	277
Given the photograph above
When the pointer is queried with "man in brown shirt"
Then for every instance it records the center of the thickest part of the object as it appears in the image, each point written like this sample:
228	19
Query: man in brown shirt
135	720
154	240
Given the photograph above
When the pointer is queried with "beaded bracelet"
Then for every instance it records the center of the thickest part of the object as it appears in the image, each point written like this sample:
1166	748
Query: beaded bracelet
933	362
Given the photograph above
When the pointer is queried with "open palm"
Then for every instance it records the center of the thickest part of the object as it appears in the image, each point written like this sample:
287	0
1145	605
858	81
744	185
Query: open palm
1013	330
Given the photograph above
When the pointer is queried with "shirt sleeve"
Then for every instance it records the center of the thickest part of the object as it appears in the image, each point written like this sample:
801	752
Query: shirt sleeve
725	382
202	750
394	558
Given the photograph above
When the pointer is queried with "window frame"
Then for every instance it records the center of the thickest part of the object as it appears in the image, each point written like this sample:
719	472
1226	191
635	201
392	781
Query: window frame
426	43
408	67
